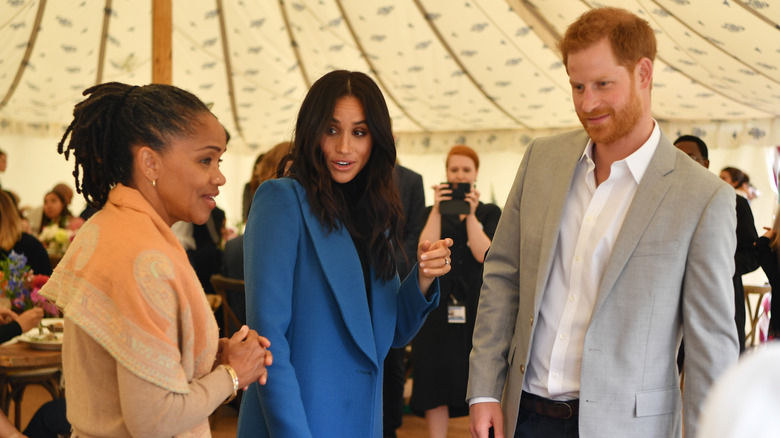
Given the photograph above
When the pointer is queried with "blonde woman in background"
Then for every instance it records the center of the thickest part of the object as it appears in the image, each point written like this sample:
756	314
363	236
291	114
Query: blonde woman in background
13	238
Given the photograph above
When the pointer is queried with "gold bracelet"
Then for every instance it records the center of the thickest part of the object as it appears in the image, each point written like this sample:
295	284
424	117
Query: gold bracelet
233	377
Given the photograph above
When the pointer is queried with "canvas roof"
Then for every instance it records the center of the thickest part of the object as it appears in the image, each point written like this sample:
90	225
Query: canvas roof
449	68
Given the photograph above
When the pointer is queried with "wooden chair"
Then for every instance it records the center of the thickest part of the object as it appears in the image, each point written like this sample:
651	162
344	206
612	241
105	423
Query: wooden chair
754	314
223	285
18	381
230	322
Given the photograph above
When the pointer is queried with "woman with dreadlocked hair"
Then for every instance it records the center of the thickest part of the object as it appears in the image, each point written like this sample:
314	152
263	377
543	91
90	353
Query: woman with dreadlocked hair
141	354
321	281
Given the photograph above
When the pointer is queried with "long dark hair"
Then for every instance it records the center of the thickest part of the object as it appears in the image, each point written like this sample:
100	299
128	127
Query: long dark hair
114	118
737	176
377	213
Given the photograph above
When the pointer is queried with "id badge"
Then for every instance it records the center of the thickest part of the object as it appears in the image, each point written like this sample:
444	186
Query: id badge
456	314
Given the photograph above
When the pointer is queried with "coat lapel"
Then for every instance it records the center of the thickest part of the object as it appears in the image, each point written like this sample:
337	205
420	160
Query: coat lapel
649	195
565	163
341	266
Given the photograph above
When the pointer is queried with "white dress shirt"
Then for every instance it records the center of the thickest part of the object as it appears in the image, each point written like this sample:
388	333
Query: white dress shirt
591	220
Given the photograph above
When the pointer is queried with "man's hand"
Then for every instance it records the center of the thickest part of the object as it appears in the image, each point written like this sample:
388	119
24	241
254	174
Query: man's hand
483	416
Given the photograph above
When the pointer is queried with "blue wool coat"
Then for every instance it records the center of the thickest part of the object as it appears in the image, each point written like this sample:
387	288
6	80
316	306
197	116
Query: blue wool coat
306	293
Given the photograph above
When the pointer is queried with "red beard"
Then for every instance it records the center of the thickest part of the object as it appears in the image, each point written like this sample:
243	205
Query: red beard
619	124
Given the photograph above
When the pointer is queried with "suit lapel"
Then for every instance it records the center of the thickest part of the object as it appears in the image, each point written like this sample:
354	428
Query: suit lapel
341	266
649	194
564	164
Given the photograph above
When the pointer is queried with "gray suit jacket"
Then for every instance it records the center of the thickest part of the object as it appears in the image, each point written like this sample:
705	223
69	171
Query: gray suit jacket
669	275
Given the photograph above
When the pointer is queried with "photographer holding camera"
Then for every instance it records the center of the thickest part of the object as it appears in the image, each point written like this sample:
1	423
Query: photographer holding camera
440	351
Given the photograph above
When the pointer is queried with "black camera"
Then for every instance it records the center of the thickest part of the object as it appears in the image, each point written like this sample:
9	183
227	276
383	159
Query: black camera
456	205
459	190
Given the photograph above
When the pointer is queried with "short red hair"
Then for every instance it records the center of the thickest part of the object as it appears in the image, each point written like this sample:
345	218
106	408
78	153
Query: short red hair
631	37
466	152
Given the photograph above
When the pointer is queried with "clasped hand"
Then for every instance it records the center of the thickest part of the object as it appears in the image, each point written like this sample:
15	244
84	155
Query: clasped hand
247	353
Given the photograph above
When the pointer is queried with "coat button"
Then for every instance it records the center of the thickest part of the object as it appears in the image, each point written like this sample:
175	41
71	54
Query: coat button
522	368
532	321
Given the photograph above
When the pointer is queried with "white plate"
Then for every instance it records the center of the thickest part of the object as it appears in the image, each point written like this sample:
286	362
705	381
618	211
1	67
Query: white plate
42	342
46	322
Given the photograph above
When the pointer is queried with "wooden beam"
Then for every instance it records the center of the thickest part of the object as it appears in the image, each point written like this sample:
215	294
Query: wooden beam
541	27
36	28
228	68
456	59
103	40
388	92
294	44
162	47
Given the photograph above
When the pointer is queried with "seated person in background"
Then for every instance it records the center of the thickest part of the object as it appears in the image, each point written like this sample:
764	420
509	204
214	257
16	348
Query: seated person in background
55	207
26	228
12	238
12	325
49	421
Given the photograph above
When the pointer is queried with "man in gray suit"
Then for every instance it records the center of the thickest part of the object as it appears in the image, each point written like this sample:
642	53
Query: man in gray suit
612	246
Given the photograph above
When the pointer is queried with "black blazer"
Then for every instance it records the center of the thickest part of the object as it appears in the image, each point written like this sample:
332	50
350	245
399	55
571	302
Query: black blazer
410	187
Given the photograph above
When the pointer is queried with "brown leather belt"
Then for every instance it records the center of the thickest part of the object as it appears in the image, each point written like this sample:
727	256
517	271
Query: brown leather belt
562	410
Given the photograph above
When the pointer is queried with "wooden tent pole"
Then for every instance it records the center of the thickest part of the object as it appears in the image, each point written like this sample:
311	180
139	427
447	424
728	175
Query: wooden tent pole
27	54
162	51
103	40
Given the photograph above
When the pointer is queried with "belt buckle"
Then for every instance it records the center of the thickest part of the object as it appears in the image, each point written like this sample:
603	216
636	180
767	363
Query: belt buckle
571	411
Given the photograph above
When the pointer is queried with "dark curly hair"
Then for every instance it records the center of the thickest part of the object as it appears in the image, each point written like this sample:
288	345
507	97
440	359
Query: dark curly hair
114	118
376	215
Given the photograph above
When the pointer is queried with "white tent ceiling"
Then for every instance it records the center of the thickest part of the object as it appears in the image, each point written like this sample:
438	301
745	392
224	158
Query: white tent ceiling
445	66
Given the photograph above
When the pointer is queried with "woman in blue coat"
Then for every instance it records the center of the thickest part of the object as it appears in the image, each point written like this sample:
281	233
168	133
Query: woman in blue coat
321	280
